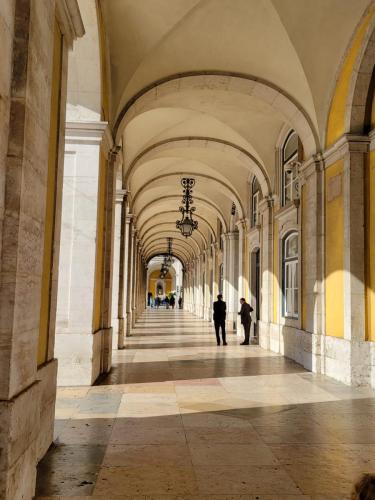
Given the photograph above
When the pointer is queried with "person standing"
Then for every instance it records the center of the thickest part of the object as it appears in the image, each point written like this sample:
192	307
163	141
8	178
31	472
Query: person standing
220	313
180	302
245	311
172	301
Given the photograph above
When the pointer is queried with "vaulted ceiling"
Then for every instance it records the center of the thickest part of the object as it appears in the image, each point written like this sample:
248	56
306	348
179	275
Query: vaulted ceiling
205	88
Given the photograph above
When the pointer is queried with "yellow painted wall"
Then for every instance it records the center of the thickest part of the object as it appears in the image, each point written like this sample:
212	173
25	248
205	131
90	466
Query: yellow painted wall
53	150
336	117
154	278
276	284
370	246
334	250
99	260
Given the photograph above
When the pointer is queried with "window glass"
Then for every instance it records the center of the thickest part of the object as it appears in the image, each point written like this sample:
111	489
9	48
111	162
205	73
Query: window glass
290	276
289	172
290	147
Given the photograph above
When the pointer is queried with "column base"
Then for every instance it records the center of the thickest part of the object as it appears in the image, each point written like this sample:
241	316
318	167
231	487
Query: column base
82	356
19	431
121	334
129	323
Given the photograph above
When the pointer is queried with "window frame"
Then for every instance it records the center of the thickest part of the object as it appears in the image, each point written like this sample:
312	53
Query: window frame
285	161
290	269
255	196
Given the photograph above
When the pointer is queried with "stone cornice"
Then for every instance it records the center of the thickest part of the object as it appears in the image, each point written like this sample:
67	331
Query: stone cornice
348	143
70	20
372	139
90	133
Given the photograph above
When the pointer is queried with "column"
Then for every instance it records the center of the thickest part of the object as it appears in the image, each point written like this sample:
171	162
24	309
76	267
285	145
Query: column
354	249
266	248
312	258
109	235
129	287
135	278
231	279
76	342
31	157
122	271
118	250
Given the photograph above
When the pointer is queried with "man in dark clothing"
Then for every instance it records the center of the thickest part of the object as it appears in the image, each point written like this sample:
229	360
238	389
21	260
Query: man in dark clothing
246	309
220	312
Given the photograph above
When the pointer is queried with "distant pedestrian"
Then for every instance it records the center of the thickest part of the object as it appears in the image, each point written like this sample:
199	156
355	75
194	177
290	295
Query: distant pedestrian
246	309
220	313
180	302
172	301
166	302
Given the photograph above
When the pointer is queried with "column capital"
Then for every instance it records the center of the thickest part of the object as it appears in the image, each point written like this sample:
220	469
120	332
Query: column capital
113	153
348	143
242	225
266	203
121	195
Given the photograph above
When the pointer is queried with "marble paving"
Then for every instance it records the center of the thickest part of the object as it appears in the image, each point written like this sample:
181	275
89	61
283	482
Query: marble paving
179	418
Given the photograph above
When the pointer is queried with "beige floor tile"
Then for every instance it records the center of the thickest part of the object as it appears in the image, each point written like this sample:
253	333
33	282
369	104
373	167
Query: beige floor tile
167	455
146	480
245	479
231	454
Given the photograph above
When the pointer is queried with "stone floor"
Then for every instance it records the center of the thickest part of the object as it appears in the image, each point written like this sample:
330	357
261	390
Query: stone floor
180	418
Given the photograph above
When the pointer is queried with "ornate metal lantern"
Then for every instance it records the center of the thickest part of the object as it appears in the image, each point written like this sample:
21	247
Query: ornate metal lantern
187	224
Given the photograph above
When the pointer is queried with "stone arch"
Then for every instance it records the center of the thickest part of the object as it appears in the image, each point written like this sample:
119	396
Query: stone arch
229	188
228	82
208	203
209	142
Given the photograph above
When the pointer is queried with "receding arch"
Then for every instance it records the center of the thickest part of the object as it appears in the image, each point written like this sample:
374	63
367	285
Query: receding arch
199	217
210	142
225	81
165	234
157	244
235	196
173	224
212	206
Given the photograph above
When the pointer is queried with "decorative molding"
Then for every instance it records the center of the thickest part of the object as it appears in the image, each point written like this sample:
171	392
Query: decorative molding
70	20
89	133
348	143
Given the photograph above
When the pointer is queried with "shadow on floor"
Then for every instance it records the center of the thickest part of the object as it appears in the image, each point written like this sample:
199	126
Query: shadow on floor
305	449
190	369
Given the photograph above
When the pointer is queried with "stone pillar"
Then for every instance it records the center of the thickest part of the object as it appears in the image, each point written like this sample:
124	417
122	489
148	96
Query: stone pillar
241	225
75	341
135	278
32	110
355	151
266	248
129	279
207	288
117	287
231	279
312	258
122	271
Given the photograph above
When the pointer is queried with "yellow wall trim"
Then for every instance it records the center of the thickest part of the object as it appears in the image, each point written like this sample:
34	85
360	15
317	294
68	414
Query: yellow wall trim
334	250
49	228
336	117
370	245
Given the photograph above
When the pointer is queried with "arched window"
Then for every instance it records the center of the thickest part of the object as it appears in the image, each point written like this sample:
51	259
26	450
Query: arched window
289	171
255	198
290	276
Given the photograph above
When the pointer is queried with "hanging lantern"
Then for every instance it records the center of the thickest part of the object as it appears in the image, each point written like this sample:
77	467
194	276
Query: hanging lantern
187	224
